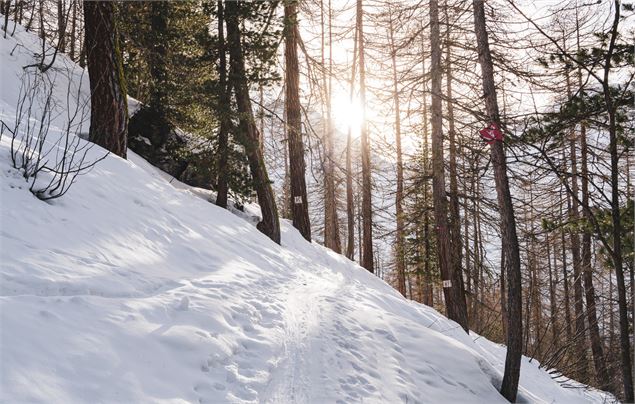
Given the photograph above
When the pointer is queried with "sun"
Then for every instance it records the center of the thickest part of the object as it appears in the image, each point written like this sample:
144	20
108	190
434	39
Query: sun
348	114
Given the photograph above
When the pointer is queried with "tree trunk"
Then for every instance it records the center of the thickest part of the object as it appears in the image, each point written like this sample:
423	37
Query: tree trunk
625	342
249	135
427	272
455	215
222	169
299	201
578	304
587	271
509	386
399	244
451	287
61	26
73	38
367	207
5	9
331	225
350	203
552	297
108	104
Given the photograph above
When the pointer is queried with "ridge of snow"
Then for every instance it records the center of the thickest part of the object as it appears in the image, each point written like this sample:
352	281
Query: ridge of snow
132	288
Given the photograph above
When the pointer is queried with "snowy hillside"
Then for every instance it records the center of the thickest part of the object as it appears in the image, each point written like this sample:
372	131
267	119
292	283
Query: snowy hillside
131	289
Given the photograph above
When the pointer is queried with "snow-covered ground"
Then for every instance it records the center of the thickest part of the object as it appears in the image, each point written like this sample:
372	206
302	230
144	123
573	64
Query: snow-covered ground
132	288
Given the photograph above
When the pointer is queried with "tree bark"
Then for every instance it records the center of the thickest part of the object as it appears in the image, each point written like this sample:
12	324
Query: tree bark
299	201
249	136
222	169
61	26
367	207
108	103
451	287
73	38
509	388
350	203
625	342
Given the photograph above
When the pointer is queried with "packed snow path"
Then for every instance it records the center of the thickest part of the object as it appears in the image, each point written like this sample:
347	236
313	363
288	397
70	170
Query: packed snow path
132	288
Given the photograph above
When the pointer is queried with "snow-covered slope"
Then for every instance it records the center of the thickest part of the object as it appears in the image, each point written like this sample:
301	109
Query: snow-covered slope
130	289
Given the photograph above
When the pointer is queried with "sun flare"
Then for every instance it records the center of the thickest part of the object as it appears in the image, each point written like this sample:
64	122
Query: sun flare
348	114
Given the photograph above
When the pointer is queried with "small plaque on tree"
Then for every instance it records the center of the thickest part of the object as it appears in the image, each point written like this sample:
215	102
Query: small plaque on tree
447	283
297	200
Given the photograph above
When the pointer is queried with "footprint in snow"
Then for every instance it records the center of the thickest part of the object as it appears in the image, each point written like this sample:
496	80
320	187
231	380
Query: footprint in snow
184	304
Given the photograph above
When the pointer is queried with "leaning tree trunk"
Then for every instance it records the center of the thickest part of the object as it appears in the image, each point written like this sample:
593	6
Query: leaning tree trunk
299	201
367	205
249	136
222	169
108	104
509	387
451	289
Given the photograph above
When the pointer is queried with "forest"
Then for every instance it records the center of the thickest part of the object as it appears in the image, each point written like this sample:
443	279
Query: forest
474	155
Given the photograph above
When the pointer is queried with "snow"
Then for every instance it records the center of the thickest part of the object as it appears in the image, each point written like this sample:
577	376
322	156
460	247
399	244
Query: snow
134	288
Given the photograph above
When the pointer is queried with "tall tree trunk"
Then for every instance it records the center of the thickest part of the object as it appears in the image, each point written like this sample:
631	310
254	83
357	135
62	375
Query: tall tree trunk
299	205
108	104
597	349
331	225
367	204
399	245
427	272
574	217
565	281
350	203
509	387
553	305
72	40
455	215
249	136
6	7
222	169
625	339
451	288
61	26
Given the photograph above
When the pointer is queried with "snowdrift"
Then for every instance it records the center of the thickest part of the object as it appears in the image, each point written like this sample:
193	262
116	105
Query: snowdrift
131	289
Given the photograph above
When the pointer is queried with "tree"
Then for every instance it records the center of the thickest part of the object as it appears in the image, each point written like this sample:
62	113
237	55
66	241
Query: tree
451	288
331	225
367	204
509	387
222	170
350	203
109	111
249	135
399	245
299	201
